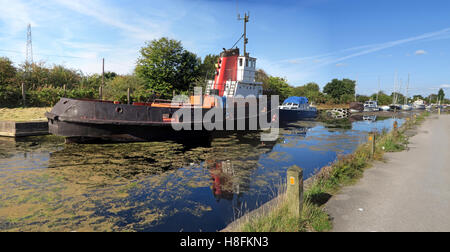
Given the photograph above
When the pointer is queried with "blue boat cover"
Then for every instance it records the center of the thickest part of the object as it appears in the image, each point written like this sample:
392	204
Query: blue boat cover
297	100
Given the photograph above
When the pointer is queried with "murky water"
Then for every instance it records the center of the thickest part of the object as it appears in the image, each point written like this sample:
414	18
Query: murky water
46	185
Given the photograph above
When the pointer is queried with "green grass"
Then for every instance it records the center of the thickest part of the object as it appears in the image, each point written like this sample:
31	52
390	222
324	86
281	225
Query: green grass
329	181
23	114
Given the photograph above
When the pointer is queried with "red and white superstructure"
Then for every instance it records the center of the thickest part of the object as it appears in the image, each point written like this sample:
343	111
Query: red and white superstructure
235	73
235	76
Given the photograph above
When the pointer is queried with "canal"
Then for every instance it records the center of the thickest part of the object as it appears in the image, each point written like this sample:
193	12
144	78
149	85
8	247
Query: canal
46	185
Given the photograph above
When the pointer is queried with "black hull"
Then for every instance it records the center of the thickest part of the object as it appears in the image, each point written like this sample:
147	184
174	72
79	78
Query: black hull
86	120
296	115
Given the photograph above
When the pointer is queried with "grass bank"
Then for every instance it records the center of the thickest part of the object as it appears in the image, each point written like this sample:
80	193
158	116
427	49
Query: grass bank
326	183
23	114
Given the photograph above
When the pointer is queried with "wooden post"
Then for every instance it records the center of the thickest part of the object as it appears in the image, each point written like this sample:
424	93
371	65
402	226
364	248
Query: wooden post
128	96
64	87
103	72
372	136
295	189
23	95
100	92
395	128
103	79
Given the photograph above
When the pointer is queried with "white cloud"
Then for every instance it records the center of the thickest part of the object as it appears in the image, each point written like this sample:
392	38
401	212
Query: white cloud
445	86
420	52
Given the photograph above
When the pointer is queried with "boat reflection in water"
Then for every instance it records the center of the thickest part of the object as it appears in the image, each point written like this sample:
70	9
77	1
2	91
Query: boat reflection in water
46	185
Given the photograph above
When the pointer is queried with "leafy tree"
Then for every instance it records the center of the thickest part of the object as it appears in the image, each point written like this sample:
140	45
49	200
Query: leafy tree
346	98
278	86
116	89
110	75
312	87
208	67
383	99
311	90
59	76
34	75
399	98
299	91
432	98
261	76
417	97
441	95
362	98
7	72
165	66
337	88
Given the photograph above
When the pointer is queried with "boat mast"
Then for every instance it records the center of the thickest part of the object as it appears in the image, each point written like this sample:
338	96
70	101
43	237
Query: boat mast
378	88
246	19
406	97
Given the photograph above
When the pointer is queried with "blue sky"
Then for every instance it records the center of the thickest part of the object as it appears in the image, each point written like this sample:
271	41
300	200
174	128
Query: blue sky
303	41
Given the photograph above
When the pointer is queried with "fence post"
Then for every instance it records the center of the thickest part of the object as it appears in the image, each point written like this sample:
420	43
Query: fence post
295	189
100	92
23	95
128	96
395	128
64	87
372	137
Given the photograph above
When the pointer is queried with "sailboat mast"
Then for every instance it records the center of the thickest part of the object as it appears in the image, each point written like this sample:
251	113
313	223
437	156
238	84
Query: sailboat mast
394	98
407	87
378	88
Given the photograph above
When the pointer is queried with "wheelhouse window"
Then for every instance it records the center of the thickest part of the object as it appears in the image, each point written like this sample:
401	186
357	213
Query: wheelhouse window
240	62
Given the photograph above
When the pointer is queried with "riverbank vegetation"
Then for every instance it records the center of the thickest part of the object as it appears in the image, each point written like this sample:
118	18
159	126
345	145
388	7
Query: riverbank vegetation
327	182
164	67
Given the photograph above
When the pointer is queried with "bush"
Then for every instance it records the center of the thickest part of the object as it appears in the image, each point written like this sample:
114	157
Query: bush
10	97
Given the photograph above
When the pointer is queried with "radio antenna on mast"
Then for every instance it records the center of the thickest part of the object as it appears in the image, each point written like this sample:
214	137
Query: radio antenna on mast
245	18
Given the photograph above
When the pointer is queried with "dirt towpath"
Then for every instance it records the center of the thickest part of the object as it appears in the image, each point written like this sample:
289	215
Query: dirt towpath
409	192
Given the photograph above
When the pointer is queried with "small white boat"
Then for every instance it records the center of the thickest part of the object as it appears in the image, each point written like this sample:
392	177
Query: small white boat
384	108
419	104
370	106
406	107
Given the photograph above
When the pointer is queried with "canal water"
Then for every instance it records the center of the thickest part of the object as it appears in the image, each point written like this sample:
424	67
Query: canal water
46	185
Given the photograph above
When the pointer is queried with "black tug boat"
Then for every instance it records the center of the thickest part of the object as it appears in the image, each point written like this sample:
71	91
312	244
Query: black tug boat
81	120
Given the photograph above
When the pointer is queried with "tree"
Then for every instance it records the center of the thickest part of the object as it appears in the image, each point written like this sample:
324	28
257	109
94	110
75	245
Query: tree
261	76
312	87
208	67
278	86
7	72
166	66
417	97
337	88
383	99
362	98
116	88
441	95
59	76
399	98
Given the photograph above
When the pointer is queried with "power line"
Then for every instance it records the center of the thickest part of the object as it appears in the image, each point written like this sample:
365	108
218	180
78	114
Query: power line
49	55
